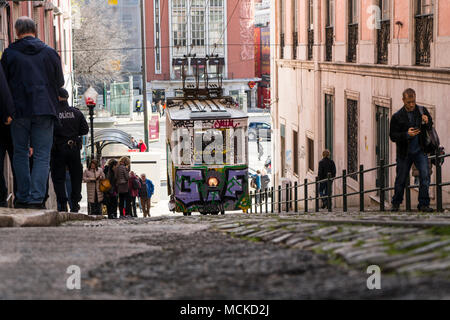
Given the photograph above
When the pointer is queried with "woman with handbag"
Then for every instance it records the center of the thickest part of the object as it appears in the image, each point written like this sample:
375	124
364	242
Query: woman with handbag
92	177
122	177
111	195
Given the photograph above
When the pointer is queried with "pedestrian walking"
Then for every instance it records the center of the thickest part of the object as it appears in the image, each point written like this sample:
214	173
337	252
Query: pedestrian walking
408	130
256	183
260	148
326	166
6	145
138	107
133	186
134	144
66	153
141	146
122	177
34	74
92	176
145	194
111	195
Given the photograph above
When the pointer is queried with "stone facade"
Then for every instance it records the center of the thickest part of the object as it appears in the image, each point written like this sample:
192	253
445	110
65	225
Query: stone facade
312	97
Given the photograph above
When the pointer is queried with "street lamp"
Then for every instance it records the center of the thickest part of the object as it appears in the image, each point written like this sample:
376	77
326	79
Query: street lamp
90	96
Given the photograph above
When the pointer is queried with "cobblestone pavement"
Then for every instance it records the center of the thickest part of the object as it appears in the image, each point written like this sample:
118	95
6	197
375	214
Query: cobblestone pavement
234	256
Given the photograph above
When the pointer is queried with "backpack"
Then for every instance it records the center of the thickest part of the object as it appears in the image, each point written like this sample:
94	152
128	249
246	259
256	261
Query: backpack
432	142
136	184
253	183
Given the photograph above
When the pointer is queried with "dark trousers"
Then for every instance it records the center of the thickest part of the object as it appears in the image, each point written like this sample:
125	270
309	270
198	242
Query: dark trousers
5	146
111	205
133	206
124	203
323	190
403	167
66	157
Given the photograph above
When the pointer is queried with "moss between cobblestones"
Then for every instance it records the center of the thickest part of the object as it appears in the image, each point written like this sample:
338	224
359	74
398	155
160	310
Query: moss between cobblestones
440	231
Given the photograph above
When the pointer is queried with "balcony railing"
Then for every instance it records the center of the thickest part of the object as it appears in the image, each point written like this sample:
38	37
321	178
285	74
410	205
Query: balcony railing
383	39
329	43
310	44
352	42
282	45
424	37
294	44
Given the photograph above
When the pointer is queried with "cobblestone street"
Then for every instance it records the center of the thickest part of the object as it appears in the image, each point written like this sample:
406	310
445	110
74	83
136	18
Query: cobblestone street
318	256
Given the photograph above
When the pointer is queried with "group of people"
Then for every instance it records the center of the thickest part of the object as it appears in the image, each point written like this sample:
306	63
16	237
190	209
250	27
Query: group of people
156	107
124	188
141	146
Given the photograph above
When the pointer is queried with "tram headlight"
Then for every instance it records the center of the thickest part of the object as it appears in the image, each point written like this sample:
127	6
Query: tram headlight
213	182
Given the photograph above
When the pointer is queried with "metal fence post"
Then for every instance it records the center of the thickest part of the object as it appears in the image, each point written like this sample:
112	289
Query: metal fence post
329	192
317	194
306	195
266	197
382	184
438	183
344	190
361	188
279	199
287	198
260	201
251	201
296	197
272	204
408	193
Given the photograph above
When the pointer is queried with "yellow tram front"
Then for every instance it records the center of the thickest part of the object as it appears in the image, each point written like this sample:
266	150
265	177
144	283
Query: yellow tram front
207	160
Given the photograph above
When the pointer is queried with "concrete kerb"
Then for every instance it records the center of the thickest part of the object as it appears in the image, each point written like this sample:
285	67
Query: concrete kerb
39	218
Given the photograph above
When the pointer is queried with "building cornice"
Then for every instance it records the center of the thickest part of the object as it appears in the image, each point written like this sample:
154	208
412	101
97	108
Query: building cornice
411	73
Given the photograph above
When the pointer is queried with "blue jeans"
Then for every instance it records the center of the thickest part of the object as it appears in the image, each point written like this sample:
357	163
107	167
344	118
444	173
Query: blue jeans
403	167
36	132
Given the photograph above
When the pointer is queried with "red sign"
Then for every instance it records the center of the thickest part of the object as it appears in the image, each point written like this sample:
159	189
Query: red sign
251	84
153	127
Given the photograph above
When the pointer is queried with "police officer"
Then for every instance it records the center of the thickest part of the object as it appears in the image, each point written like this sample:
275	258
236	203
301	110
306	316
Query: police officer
66	152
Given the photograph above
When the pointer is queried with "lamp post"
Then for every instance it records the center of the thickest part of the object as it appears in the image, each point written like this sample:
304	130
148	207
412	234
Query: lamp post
90	96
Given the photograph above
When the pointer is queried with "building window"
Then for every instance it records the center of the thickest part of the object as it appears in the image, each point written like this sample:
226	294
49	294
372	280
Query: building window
352	137
329	123
65	48
424	31
295	151
157	37
310	145
198	22
383	33
353	13
329	31
179	23
310	28
282	21
216	25
295	32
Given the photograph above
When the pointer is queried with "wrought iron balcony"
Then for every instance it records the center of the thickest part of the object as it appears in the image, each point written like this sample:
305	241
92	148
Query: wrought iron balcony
329	43
352	42
424	37
294	45
310	44
383	39
282	45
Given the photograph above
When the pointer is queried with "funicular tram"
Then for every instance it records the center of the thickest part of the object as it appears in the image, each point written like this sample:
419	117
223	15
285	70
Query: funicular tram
207	146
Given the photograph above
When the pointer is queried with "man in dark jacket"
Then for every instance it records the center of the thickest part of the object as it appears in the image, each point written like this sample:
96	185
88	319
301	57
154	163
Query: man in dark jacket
6	114
34	75
326	165
407	130
66	153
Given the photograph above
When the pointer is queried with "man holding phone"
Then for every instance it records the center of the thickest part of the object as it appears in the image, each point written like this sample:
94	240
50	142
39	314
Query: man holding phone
407	130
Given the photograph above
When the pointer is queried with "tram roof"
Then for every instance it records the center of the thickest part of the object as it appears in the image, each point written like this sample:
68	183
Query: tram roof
198	109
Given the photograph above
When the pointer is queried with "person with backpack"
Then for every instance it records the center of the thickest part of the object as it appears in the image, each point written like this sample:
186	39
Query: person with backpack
111	194
122	175
408	129
145	194
134	185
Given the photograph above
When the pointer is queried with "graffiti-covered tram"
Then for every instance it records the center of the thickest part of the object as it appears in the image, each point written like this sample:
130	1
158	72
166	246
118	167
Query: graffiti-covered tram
207	155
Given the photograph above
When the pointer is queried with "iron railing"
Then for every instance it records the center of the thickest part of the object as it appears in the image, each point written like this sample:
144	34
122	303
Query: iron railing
310	44
424	37
329	43
383	39
352	42
282	45
271	198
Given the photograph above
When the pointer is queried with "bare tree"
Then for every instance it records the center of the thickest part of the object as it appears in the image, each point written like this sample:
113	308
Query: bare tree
99	42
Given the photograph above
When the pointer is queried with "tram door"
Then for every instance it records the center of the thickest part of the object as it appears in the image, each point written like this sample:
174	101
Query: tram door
382	143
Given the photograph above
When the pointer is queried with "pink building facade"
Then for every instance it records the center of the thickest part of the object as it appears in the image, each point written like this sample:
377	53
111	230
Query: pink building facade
339	70
179	28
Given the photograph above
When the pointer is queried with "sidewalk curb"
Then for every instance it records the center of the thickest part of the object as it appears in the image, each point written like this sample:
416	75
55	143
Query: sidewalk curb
41	218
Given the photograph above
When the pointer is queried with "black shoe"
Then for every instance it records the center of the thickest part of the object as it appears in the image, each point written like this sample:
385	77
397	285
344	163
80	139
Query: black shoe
425	209
75	208
39	206
21	205
62	207
395	207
